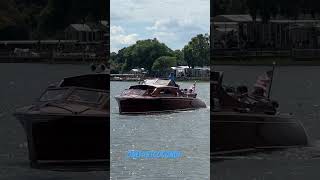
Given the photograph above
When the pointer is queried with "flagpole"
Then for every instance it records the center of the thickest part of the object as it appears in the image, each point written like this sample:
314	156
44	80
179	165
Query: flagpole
273	67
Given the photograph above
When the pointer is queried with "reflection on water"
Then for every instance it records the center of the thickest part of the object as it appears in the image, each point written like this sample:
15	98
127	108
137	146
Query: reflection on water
296	89
186	131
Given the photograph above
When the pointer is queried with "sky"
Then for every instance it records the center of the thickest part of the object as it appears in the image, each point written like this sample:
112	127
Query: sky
173	22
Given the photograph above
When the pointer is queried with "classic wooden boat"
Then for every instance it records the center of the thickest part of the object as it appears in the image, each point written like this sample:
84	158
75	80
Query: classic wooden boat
70	121
157	95
243	122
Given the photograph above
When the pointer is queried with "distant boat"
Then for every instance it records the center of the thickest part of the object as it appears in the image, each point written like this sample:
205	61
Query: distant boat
157	95
70	121
242	121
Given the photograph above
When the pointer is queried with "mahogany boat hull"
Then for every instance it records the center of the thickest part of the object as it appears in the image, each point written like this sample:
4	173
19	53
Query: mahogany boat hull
132	105
240	131
66	137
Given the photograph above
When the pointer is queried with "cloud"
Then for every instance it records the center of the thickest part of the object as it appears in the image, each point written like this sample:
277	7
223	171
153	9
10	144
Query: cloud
165	36
176	25
114	30
148	10
174	32
120	39
163	25
173	22
125	39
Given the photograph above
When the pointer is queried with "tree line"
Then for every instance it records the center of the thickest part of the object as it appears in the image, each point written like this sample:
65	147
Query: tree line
43	19
156	56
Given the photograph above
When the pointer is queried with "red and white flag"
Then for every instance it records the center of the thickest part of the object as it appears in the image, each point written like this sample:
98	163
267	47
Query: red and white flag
264	82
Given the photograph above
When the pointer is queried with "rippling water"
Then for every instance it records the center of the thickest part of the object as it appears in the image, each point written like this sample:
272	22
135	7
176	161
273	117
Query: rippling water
20	84
297	90
187	132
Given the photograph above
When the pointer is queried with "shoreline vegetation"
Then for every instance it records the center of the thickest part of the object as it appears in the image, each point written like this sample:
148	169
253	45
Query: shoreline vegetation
157	58
49	31
152	58
46	19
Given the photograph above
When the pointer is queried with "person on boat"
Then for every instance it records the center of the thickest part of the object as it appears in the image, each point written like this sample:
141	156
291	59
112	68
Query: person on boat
172	77
192	91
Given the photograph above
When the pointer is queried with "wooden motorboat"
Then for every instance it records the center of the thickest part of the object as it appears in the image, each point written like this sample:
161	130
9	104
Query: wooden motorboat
70	121
157	95
242	121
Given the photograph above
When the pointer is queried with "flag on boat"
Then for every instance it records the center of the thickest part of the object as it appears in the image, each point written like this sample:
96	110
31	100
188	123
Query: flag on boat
193	87
261	87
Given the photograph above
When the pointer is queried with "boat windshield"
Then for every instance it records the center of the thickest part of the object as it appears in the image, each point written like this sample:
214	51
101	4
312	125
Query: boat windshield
129	92
53	94
74	94
86	96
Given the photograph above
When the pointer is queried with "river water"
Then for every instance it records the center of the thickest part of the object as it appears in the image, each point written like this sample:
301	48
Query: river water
297	89
20	85
188	132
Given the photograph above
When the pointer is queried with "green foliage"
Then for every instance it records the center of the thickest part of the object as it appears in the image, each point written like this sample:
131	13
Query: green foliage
178	54
142	54
164	63
46	18
114	66
197	51
155	56
58	14
12	25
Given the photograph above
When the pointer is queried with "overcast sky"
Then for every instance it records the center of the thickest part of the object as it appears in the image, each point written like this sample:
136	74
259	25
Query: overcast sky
173	22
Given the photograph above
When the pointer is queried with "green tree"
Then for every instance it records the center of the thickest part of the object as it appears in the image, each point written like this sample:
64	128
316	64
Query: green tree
115	67
178	54
142	54
43	19
164	63
12	25
291	8
58	14
197	51
253	6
